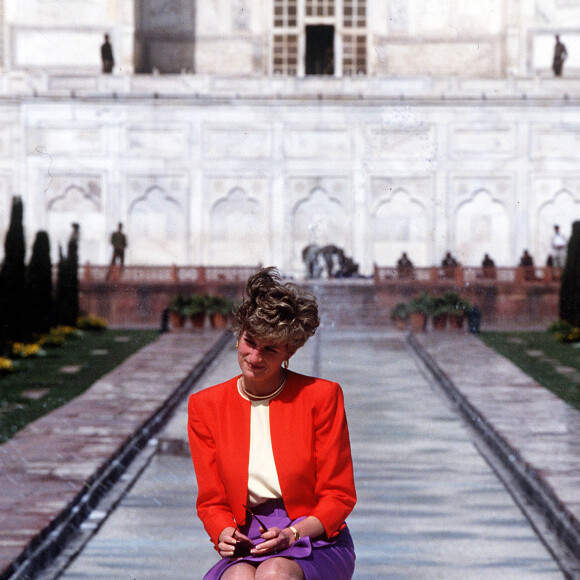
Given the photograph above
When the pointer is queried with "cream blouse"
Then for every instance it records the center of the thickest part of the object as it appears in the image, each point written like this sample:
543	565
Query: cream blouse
263	481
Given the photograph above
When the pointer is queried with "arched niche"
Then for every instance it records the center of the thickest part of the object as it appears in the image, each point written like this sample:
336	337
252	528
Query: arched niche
482	226
399	224
156	229
239	231
562	209
322	220
82	205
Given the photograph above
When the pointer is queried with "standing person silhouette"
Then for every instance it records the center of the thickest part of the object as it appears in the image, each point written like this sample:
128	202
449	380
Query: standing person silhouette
107	56
271	450
560	55
119	243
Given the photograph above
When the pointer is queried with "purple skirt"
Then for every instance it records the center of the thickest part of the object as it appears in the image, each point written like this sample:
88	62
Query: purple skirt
319	559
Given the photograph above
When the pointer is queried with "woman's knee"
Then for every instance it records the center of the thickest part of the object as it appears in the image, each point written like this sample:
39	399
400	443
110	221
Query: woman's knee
241	571
279	569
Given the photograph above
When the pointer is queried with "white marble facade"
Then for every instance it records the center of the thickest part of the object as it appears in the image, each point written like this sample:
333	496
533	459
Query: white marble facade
232	165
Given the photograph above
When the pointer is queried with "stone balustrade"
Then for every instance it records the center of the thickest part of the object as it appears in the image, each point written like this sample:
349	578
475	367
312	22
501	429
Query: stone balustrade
137	295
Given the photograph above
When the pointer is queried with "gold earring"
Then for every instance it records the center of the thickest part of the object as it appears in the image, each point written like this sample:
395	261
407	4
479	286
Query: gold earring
237	343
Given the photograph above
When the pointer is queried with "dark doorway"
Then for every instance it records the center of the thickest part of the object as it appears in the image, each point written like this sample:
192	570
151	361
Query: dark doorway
320	50
164	36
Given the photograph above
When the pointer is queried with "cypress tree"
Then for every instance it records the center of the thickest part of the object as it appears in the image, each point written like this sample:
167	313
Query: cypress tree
570	285
38	287
67	295
12	275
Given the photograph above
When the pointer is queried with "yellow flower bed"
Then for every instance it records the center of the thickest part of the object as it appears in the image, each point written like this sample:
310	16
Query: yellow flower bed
6	365
23	350
92	322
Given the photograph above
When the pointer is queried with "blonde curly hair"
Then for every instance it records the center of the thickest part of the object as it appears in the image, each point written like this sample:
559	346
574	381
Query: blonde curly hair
276	312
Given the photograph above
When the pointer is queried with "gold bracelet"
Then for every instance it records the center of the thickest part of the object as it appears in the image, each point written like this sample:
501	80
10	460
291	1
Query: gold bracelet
295	532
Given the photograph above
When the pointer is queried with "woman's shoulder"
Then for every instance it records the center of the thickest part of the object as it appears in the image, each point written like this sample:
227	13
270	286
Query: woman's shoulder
215	393
306	383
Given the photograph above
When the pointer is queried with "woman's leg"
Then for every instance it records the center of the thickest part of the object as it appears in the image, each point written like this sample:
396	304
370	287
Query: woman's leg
279	569
241	571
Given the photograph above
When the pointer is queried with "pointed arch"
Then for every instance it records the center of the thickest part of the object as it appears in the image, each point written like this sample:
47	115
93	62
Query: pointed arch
319	219
399	223
239	230
156	228
562	209
80	204
481	224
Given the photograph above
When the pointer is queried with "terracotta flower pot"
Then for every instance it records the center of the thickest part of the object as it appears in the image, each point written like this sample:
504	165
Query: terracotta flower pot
456	321
177	320
417	321
197	320
219	320
440	322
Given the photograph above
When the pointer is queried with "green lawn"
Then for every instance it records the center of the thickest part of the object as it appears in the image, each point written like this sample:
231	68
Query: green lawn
553	364
40	385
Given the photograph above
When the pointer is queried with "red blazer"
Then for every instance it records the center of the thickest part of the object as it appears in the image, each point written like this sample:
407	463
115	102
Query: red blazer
310	443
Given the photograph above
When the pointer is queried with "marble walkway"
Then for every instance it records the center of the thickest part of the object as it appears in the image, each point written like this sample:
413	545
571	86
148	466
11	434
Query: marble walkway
430	505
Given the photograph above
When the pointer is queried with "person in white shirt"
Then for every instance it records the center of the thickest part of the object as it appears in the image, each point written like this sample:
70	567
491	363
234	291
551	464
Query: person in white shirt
559	248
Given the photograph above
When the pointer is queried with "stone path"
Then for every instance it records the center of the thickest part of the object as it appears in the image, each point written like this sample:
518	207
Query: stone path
429	504
54	470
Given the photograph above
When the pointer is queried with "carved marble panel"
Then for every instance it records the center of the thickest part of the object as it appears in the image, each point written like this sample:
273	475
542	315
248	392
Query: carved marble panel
482	225
317	143
70	141
6	141
157	220
401	142
554	142
319	217
239	221
382	188
400	219
76	198
51	48
337	187
161	141
237	143
555	200
481	218
477	140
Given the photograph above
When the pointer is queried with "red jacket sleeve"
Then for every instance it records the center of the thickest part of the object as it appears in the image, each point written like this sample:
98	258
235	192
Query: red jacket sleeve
213	507
312	450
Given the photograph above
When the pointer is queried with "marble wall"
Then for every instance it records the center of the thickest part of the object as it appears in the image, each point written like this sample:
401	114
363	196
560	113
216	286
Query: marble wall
464	38
229	179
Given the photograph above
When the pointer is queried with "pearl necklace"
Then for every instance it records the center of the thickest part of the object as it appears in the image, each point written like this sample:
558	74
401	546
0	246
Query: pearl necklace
262	397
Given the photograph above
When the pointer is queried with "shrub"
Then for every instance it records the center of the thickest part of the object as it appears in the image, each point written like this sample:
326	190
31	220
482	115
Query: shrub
38	287
91	322
12	275
569	307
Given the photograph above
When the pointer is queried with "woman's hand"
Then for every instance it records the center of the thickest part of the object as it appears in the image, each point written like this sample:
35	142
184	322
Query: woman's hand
229	539
275	540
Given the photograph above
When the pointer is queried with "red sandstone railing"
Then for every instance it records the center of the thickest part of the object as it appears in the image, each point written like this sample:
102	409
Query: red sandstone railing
165	274
460	275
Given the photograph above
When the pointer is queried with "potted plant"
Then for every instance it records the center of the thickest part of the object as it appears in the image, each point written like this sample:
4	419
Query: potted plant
196	310
219	309
440	314
457	307
177	311
419	310
400	315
